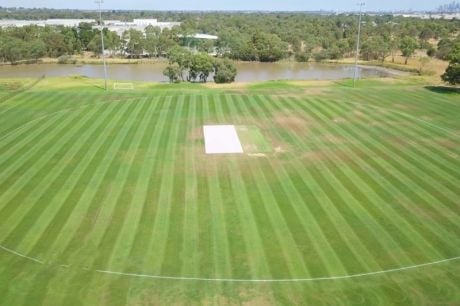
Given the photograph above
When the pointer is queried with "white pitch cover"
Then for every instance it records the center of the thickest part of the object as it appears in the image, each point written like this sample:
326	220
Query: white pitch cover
221	139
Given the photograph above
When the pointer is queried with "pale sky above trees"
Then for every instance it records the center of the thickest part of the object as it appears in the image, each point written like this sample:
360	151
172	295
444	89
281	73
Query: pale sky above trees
336	5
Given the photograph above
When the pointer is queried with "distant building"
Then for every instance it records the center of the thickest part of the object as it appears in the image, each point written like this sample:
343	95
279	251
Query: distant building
201	36
42	23
137	24
449	16
113	25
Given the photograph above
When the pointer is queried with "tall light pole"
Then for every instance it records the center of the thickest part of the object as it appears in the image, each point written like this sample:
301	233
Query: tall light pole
355	76
99	2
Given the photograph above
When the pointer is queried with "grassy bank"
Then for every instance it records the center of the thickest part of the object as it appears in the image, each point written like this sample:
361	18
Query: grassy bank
431	71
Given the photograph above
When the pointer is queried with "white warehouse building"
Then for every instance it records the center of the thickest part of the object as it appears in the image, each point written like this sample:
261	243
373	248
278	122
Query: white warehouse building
113	25
137	24
4	23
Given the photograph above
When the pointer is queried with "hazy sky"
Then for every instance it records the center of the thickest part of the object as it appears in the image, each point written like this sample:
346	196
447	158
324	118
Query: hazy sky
336	5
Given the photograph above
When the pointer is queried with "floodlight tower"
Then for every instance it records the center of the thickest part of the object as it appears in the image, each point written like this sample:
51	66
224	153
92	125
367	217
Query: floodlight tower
99	2
355	76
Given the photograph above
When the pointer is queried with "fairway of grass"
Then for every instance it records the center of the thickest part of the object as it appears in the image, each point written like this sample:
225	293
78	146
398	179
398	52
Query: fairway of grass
109	199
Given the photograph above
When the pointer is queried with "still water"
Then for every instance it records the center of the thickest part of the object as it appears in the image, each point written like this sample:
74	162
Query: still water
247	72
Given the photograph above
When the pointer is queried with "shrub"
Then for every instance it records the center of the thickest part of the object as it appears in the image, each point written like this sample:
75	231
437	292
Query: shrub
224	71
302	57
66	59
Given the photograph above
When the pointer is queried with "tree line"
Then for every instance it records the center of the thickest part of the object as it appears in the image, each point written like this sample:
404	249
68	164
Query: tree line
265	37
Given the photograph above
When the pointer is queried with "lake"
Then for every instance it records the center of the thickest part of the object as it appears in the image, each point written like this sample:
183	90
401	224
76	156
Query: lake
247	71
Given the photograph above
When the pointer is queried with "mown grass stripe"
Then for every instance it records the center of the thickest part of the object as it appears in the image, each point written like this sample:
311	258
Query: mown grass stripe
114	180
219	204
88	236
34	111
218	239
190	222
446	190
118	239
145	161
294	260
81	182
156	251
417	175
172	259
206	235
118	236
21	112
20	140
31	166
150	187
348	252
45	201
419	130
33	211
251	263
331	261
300	221
79	246
237	209
356	136
357	250
363	184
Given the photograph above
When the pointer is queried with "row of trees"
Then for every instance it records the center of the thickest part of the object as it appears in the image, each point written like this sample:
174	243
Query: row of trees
33	42
265	37
248	37
191	67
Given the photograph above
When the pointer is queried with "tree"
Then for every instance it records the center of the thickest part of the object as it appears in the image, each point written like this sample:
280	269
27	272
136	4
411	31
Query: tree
134	42
408	46
173	72
376	48
182	57
445	47
55	44
95	45
85	34
394	47
201	67
224	71
269	47
166	42
12	50
36	49
152	40
71	40
112	42
452	74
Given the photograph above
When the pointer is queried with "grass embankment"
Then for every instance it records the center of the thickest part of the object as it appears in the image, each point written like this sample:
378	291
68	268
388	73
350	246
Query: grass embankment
431	71
89	58
350	181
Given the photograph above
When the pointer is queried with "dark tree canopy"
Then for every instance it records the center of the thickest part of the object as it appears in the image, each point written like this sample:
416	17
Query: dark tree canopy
452	74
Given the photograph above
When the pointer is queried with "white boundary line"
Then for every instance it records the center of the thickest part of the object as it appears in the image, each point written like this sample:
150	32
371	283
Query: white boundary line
234	280
237	280
21	255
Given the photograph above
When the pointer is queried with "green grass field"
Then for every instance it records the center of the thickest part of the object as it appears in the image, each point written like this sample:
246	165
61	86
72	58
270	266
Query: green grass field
349	196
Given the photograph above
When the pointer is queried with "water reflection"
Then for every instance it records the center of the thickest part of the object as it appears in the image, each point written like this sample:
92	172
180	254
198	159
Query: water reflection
247	72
